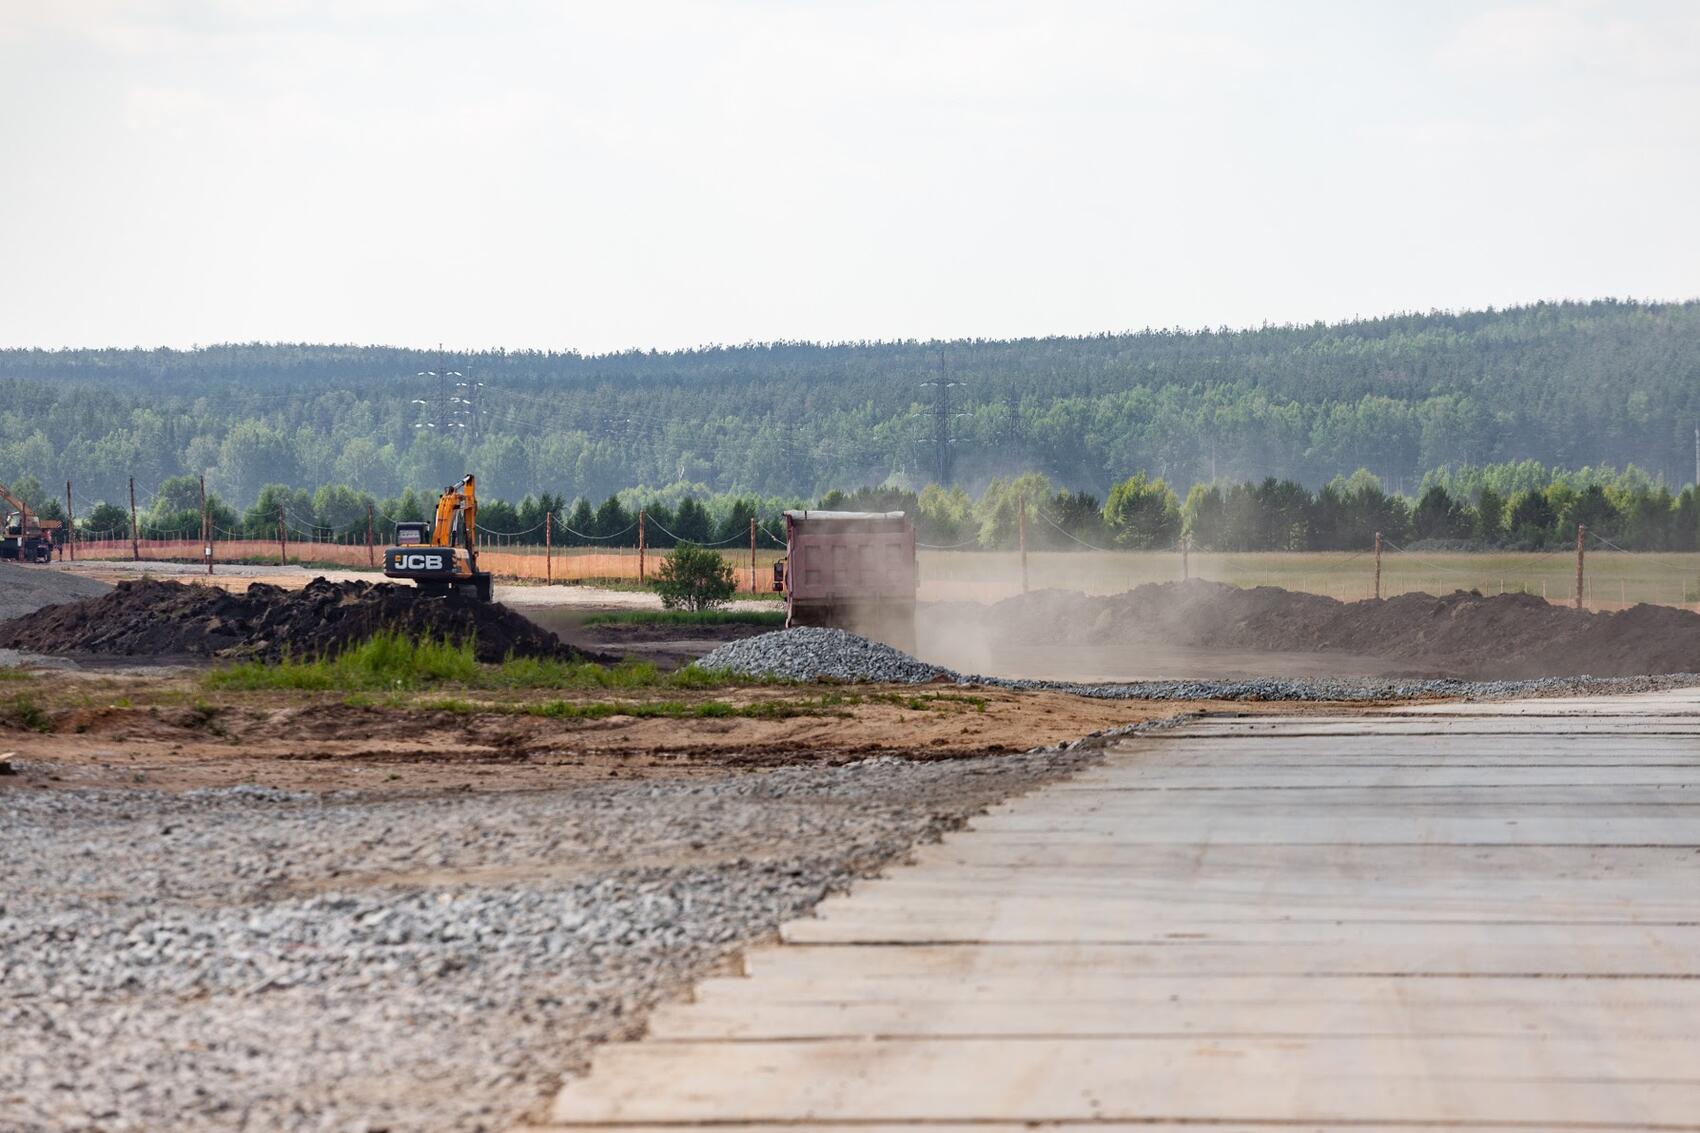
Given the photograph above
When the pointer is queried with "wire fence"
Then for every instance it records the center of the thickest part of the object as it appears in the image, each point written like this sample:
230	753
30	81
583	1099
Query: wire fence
527	563
1613	578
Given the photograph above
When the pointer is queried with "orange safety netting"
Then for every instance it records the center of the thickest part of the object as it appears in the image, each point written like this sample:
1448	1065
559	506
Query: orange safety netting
563	564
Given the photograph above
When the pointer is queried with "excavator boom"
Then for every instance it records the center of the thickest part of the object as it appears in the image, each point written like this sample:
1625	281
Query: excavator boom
442	558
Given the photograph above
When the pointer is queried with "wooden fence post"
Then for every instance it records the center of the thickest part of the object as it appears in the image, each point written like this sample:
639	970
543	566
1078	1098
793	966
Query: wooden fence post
1021	527
135	533
1378	565
642	546
752	554
282	539
1581	534
206	527
371	548
548	546
70	527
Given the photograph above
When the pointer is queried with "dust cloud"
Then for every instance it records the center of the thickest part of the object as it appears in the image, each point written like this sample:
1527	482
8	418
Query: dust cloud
1202	629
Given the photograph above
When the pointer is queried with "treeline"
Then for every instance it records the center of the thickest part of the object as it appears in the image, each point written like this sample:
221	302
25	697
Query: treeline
1521	506
1572	384
1627	508
335	513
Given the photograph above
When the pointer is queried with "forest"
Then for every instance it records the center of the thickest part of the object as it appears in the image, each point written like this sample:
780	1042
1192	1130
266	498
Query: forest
1522	506
1566	385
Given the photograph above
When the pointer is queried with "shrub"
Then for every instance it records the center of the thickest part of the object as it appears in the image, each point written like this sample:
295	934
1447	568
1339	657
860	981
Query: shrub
695	578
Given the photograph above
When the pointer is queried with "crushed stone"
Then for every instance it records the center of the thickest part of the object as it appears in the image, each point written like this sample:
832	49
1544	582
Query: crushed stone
26	589
255	960
805	653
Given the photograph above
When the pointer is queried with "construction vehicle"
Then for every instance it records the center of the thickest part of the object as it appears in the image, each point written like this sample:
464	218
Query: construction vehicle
851	569
441	557
25	537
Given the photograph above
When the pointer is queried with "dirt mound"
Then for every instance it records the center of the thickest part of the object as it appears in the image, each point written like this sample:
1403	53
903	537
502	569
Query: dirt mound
151	617
1463	634
26	589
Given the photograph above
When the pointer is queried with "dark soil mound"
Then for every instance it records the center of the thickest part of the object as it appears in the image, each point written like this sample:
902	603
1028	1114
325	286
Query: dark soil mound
1463	634
150	617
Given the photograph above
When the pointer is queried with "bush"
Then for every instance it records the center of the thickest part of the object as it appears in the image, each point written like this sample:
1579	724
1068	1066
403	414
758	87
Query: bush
695	578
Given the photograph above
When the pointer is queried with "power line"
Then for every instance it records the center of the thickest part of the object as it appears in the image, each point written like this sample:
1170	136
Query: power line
942	418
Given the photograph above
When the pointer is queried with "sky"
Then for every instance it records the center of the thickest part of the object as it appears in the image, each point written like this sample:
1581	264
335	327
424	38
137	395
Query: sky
657	175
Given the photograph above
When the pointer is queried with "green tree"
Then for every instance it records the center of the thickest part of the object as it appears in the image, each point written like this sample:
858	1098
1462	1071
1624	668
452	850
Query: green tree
999	509
1078	519
28	489
612	523
340	509
1142	513
944	517
1490	517
581	524
1439	516
252	455
736	524
1530	519
105	521
691	522
293	505
695	578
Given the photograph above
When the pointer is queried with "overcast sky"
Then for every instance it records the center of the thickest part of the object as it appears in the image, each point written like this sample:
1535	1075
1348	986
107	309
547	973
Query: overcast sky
660	175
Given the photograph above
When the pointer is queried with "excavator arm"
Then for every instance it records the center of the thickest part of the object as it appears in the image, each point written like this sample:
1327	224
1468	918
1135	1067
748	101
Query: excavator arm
449	561
17	505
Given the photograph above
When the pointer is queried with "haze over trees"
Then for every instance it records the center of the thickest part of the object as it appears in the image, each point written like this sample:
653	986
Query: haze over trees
1562	384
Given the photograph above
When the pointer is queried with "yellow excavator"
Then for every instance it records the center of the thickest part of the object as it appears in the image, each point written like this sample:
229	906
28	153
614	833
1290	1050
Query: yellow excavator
441	557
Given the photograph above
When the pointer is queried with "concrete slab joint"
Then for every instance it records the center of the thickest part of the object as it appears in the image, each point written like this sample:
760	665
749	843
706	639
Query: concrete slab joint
1459	916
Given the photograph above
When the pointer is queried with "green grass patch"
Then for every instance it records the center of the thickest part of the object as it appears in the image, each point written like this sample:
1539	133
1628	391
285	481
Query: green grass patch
22	711
456	705
392	662
772	618
387	660
15	675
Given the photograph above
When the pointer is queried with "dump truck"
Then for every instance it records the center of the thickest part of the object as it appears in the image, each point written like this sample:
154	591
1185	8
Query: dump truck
440	557
25	537
851	569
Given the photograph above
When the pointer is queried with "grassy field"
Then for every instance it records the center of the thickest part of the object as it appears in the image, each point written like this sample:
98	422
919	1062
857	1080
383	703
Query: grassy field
1612	579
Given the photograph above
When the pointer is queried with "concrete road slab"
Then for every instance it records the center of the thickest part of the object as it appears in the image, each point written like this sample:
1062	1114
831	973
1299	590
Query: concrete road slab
1463	917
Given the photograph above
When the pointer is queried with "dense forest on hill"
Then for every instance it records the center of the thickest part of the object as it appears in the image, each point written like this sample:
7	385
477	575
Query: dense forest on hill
1568	384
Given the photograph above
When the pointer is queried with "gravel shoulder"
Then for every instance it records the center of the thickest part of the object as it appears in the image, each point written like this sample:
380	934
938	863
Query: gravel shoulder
248	958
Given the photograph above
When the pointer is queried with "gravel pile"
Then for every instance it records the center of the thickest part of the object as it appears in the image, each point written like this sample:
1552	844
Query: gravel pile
26	589
259	959
806	653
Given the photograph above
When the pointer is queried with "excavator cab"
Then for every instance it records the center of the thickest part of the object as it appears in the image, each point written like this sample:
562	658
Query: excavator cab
441	557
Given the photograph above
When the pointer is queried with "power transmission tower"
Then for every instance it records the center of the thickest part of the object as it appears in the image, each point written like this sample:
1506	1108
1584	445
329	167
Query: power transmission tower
451	409
943	442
